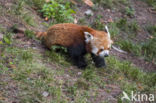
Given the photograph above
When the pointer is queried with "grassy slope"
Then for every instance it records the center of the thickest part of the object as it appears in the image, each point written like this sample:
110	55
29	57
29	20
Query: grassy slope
27	73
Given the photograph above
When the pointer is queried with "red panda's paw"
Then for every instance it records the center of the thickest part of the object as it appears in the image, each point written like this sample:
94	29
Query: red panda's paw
99	61
82	65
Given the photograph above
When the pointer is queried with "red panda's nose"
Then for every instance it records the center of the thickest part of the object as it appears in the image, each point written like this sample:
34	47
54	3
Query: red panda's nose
106	55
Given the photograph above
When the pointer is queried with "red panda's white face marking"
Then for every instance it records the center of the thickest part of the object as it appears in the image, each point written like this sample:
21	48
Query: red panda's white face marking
88	37
100	42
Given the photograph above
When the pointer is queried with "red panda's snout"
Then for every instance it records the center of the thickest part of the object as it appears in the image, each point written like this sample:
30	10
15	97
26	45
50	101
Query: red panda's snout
104	53
100	52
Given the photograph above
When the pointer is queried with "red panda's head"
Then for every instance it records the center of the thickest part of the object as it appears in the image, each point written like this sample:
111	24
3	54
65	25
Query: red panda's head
99	42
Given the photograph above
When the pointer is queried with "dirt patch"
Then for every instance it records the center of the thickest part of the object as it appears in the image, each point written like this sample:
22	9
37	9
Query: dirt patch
144	18
143	14
10	91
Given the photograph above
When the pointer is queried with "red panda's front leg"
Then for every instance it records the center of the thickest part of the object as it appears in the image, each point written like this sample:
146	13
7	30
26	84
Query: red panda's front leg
99	61
77	53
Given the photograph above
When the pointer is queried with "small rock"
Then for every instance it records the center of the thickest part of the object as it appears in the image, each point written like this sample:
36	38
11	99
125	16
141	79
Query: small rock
47	1
110	20
75	21
89	12
46	19
88	2
79	73
28	79
8	4
1	36
108	10
45	94
67	75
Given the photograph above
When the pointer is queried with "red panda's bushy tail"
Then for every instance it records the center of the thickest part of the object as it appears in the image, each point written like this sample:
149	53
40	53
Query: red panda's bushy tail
41	35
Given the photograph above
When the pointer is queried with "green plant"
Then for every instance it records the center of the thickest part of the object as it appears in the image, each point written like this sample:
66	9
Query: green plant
7	38
61	13
30	34
56	47
129	11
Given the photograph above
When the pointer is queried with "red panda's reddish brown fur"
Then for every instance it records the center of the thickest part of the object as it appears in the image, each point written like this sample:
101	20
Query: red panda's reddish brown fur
68	34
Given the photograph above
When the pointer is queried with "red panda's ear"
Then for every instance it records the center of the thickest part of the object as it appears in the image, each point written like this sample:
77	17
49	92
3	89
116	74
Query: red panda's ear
88	37
107	31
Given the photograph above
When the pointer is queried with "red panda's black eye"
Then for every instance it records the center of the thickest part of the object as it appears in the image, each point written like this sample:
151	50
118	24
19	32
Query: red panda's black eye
101	49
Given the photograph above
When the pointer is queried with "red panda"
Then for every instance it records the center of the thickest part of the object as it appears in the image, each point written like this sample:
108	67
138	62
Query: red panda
79	40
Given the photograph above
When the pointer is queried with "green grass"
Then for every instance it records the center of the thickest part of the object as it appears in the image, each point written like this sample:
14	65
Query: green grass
32	70
37	4
149	46
30	34
146	49
124	28
111	3
129	11
28	19
19	7
151	3
149	49
98	24
123	33
82	21
131	73
128	27
130	46
114	30
152	30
